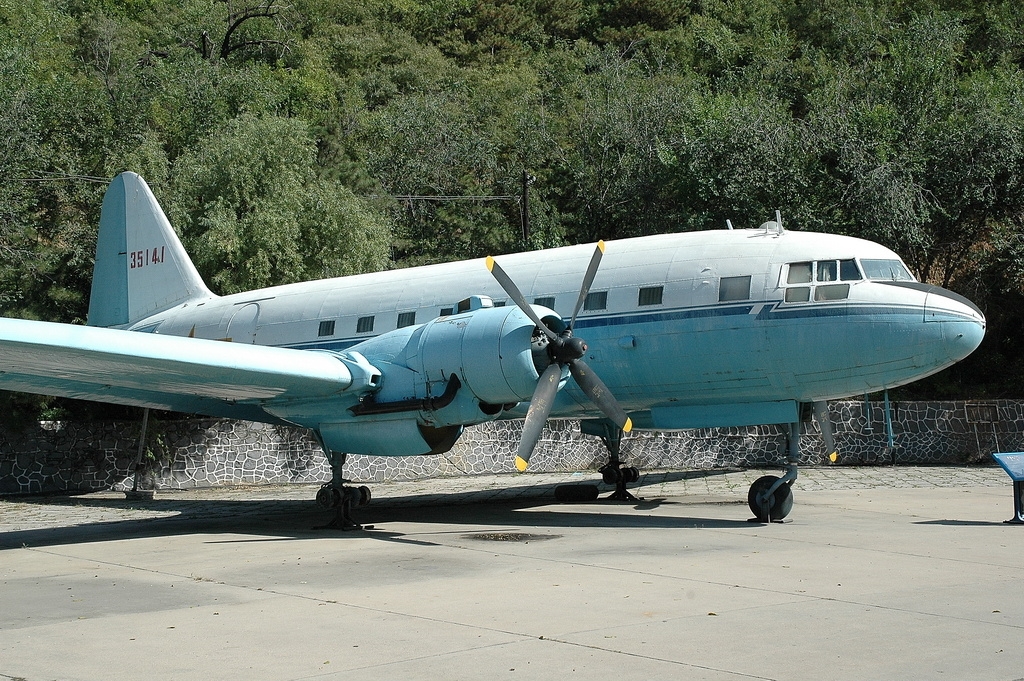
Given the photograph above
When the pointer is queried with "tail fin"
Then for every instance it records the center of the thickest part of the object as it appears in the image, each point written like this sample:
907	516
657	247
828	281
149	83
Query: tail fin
141	267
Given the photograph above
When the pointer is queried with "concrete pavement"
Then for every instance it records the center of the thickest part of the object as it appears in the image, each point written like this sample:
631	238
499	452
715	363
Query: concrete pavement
878	573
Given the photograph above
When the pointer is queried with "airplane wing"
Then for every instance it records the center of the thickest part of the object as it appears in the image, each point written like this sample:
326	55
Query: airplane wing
164	372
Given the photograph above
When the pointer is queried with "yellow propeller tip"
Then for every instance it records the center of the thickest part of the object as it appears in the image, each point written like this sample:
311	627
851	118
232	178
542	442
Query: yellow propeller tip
490	264
833	457
521	464
600	245
628	426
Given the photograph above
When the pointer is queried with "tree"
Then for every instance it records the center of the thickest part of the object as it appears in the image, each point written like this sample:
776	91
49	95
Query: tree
254	213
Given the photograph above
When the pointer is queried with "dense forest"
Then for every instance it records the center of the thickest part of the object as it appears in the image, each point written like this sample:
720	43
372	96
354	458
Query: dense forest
297	139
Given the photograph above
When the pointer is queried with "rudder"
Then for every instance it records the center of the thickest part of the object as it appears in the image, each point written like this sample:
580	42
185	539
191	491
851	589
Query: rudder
141	267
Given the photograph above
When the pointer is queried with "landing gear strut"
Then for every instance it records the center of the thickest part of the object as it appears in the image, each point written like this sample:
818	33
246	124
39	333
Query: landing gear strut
613	472
770	497
337	495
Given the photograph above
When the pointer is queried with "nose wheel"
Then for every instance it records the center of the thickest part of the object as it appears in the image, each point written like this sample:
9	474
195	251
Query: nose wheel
770	498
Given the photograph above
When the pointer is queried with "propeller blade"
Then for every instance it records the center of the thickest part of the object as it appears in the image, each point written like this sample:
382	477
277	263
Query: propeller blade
513	292
540	406
599	394
588	280
565	349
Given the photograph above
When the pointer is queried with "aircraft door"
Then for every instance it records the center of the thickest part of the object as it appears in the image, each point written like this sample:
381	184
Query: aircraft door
780	359
242	327
705	285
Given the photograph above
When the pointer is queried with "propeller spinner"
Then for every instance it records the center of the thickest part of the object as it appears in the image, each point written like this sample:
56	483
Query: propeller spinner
564	349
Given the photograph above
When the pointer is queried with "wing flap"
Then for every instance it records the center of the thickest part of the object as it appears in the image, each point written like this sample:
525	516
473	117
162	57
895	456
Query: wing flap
184	374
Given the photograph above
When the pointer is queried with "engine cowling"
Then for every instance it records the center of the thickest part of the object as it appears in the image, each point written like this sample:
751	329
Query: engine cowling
491	350
435	378
458	369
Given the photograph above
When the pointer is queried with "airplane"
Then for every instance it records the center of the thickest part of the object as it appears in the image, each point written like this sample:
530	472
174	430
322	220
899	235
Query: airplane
716	328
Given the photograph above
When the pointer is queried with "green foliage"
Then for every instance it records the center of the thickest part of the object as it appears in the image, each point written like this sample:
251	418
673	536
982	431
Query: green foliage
275	135
254	213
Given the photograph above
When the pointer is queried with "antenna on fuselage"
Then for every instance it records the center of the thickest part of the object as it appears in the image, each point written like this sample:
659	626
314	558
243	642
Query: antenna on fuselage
774	226
728	223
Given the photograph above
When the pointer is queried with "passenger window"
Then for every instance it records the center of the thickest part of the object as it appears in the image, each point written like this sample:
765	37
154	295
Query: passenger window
827	270
651	296
364	325
848	270
447	311
734	288
832	292
598	300
798	294
545	302
326	328
799	273
406	319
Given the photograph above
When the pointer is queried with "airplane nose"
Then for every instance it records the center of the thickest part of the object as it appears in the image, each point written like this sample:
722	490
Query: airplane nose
963	324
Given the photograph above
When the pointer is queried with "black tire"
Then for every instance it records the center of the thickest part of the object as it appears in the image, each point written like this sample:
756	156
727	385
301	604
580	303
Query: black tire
328	497
779	505
575	493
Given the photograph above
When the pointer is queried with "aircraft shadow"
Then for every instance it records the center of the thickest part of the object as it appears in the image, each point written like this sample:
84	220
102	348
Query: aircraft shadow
279	519
964	523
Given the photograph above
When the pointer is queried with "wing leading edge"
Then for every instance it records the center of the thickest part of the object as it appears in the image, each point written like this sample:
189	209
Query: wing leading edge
167	372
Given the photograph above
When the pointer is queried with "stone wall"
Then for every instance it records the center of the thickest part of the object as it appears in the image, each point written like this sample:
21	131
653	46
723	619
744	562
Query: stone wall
59	456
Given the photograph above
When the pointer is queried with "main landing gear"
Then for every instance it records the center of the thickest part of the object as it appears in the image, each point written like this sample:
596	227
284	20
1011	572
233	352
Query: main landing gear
770	498
338	495
612	473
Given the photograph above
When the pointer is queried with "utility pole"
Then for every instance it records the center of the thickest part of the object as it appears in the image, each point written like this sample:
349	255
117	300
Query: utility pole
524	208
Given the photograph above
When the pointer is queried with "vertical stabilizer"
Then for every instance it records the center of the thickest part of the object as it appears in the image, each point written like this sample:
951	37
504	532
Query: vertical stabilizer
141	267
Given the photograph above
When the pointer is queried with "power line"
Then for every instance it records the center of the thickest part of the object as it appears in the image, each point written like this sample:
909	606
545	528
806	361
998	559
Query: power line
411	197
59	177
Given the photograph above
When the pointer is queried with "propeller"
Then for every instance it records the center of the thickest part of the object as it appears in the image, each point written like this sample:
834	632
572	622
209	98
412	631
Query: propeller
564	350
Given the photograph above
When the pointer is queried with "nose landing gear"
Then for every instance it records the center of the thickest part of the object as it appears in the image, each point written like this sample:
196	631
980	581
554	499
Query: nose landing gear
770	498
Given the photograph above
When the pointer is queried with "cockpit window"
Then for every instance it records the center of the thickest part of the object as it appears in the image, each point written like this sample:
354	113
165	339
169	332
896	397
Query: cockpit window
848	270
886	270
818	280
799	273
832	292
836	270
798	294
827	270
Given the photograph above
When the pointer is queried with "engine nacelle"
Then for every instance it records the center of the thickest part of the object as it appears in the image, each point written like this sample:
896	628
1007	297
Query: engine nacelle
489	349
458	369
437	377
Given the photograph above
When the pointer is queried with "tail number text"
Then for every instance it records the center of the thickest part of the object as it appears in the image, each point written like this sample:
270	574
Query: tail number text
149	256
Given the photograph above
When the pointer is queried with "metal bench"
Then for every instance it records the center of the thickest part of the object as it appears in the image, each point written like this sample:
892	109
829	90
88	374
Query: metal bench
1013	464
